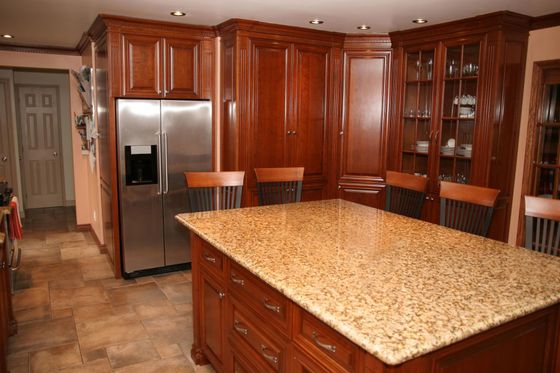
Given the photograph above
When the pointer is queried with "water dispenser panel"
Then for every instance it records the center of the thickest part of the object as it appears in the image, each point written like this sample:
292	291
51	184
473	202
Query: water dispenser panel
141	164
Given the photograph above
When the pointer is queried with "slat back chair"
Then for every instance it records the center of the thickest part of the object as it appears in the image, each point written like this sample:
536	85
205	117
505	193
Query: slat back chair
209	191
279	185
468	208
405	193
542	225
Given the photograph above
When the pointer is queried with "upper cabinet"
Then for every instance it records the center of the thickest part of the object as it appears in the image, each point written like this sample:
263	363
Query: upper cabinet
278	97
142	66
457	106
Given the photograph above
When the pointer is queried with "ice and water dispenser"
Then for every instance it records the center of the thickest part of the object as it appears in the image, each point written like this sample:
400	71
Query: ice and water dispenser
141	164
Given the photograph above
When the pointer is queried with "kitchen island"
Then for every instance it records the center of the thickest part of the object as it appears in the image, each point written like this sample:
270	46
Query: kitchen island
336	286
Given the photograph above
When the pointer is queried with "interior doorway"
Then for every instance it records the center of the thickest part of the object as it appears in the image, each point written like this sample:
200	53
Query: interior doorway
7	167
39	123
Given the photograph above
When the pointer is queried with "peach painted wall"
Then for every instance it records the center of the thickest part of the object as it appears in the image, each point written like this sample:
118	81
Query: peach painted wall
543	45
80	165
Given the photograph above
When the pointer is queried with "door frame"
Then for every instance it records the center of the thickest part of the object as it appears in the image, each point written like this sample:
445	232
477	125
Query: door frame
6	83
537	90
20	137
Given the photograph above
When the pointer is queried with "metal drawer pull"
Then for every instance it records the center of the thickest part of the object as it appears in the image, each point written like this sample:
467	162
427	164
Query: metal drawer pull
221	295
209	258
328	347
273	359
239	328
238	281
15	266
271	307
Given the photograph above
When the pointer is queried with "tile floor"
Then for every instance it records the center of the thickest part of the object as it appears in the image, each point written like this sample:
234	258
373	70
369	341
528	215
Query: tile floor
74	316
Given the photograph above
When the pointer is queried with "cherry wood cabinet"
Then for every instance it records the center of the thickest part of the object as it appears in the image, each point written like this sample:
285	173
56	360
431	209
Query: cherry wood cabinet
363	130
279	101
242	324
456	112
141	59
8	325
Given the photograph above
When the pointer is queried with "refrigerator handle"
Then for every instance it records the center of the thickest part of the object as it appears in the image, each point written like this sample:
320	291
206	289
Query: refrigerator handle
159	144
165	141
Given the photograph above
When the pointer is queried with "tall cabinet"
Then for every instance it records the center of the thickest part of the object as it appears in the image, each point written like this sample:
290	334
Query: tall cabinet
279	101
458	89
142	59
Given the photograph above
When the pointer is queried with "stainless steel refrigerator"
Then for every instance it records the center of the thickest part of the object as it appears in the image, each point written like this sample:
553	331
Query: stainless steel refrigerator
158	140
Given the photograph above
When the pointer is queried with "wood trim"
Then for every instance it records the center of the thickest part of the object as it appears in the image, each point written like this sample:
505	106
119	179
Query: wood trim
545	21
361	42
40	49
236	24
83	227
539	68
89	228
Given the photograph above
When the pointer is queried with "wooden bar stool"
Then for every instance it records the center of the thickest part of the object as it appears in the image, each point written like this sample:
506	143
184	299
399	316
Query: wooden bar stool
542	225
214	190
468	208
279	185
405	193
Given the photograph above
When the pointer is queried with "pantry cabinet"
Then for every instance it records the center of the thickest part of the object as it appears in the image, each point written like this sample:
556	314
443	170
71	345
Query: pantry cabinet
279	101
456	116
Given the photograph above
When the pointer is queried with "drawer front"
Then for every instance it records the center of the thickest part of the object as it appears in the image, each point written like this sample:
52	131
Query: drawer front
211	259
244	326
243	360
324	341
269	303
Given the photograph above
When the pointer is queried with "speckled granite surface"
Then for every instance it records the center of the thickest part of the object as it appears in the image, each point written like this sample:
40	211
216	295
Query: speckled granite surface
398	287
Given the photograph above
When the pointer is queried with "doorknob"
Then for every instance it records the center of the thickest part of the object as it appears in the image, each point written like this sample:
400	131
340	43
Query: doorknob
4	159
55	154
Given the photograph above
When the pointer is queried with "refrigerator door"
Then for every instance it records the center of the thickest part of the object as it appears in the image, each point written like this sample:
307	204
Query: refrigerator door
187	146
140	186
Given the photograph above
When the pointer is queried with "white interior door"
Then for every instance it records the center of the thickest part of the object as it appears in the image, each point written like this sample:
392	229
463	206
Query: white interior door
39	120
6	153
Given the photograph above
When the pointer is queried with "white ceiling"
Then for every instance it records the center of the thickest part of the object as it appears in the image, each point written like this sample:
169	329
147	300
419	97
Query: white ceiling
61	23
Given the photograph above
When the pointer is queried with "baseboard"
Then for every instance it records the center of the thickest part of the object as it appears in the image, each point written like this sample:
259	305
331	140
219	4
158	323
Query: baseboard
83	227
69	203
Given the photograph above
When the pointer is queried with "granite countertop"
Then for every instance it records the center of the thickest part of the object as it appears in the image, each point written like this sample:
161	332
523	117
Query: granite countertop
397	287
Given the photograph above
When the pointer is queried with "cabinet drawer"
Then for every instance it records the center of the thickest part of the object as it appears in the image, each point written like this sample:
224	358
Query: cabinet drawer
269	303
211	259
270	348
322	341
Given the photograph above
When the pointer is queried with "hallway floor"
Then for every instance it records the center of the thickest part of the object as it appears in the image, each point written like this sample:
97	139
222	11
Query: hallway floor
73	316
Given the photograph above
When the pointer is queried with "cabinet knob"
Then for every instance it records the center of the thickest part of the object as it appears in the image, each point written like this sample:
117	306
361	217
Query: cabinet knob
339	187
341	133
4	159
221	295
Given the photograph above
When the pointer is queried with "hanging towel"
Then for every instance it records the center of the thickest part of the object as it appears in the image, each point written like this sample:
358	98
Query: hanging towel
16	228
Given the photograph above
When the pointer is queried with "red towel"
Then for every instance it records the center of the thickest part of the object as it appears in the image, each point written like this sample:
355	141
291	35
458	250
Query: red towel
16	229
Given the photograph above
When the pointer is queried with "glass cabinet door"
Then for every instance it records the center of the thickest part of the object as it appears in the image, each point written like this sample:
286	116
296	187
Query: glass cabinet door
458	117
417	115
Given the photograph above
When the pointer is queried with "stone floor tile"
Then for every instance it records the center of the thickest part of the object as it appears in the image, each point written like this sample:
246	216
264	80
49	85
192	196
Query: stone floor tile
98	366
168	350
138	294
66	283
55	358
155	309
112	283
89	356
66	270
144	279
30	298
92	312
109	331
178	293
61	313
40	335
96	270
170	329
41	313
172	365
65	237
82	251
131	353
169	278
18	362
183	309
85	296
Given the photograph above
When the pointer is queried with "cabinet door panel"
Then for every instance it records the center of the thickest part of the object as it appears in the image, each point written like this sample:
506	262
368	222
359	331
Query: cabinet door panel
142	66
212	319
365	116
270	104
311	108
182	67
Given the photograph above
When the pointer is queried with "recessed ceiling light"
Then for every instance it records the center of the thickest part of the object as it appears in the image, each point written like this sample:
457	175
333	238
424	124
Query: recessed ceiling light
419	20
178	13
316	21
7	36
363	27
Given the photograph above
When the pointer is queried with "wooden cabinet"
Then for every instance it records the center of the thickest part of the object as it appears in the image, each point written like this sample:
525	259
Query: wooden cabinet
457	106
212	312
363	130
8	325
279	95
155	66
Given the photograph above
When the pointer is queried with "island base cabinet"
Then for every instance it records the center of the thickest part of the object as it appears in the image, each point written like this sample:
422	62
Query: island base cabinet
233	334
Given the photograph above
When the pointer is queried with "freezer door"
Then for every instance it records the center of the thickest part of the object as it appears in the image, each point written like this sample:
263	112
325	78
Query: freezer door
187	146
140	187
